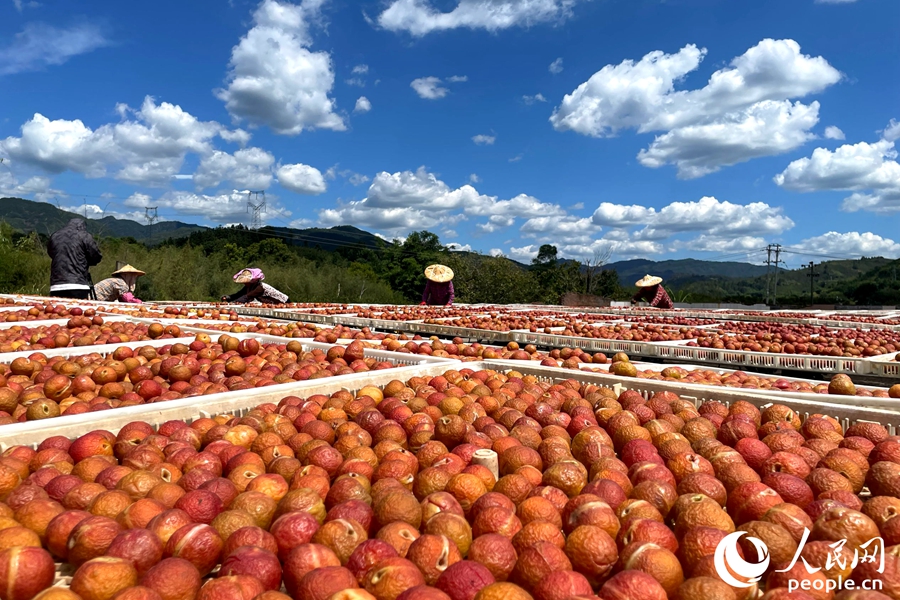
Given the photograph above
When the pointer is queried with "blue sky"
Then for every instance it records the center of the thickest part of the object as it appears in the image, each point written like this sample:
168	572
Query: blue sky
646	128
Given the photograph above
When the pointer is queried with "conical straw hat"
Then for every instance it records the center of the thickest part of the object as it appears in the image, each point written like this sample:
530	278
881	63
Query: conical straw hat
439	273
129	269
648	281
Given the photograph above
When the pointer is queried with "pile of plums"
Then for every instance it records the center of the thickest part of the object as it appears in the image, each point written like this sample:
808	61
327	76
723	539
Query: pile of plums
37	387
382	494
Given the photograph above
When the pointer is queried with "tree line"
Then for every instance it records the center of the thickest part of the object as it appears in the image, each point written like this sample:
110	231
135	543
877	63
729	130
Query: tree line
200	267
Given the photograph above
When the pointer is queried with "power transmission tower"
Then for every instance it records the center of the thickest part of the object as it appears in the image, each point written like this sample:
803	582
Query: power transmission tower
151	215
812	278
776	263
256	208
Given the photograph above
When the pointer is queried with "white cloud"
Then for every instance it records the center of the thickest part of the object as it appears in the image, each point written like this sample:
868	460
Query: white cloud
301	224
429	88
495	252
744	110
454	247
40	45
634	230
238	136
275	79
458	78
249	168
524	253
149	148
226	207
834	133
302	179
482	139
556	66
404	201
449	233
891	133
529	100
516	158
362	105
357	179
717	218
474	178
419	17
765	129
36	188
360	69
852	243
93	211
22	4
869	170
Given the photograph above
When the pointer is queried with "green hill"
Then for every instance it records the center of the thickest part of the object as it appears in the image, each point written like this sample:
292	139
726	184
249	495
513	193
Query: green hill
26	215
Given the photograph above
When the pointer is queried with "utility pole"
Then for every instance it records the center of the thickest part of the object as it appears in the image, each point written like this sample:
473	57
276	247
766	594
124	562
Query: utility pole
256	208
768	270
812	278
151	215
776	263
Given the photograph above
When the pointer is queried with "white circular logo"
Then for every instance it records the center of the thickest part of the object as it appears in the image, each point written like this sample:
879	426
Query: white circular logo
728	561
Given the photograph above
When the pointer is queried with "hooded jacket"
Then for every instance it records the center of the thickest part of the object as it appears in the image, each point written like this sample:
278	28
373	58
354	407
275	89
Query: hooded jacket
72	251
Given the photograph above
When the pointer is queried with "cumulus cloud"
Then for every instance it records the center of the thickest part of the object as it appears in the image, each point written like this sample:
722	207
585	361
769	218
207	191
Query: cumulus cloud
302	179
870	170
36	188
529	100
362	105
432	88
454	247
360	69
484	140
556	66
744	111
474	178
250	168
834	133
496	252
40	45
275	79
419	17
404	201
225	207
852	243
148	146
634	230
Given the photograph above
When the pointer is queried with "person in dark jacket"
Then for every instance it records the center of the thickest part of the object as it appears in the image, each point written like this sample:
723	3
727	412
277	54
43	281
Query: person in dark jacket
439	289
72	252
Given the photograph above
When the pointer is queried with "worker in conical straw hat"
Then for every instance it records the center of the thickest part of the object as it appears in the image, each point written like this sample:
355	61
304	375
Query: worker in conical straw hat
254	289
652	292
439	287
120	286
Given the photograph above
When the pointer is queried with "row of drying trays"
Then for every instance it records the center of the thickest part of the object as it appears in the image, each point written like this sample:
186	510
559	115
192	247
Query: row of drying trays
847	409
880	366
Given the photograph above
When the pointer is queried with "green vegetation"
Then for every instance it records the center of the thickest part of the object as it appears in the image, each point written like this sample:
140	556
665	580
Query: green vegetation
347	264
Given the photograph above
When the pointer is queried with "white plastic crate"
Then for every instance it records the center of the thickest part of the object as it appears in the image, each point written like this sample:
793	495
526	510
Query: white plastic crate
746	358
885	365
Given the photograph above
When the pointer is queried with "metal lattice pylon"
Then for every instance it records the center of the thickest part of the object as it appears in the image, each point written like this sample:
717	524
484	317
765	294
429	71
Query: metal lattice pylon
256	208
